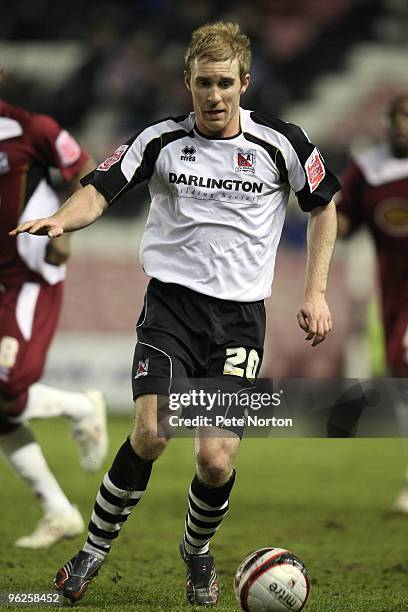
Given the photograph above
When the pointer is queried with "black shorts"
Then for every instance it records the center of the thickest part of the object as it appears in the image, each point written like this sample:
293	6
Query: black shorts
184	335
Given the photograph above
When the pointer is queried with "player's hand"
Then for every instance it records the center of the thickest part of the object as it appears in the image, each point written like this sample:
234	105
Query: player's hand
314	318
40	227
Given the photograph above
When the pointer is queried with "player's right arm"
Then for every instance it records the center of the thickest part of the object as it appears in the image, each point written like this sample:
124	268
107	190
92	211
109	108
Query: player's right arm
80	210
58	249
130	164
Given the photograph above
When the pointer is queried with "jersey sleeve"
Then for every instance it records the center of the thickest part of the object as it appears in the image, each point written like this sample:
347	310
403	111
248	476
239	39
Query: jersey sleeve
308	175
130	164
349	202
56	147
134	161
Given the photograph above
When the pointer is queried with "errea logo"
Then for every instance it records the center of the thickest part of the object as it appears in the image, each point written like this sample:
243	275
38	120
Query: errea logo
188	153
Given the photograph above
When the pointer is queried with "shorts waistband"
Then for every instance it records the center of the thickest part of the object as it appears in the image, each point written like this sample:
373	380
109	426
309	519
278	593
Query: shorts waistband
154	282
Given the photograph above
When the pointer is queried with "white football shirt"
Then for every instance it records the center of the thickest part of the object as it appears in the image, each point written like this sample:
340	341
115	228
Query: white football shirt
217	205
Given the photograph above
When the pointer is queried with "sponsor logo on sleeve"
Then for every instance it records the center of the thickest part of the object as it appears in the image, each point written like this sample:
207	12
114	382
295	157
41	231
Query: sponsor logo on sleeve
113	159
315	170
68	149
244	160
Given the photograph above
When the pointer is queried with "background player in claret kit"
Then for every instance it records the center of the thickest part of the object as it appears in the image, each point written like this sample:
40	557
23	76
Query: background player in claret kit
32	272
375	194
219	180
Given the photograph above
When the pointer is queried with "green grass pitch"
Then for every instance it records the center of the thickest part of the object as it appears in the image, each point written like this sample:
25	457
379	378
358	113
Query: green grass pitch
327	500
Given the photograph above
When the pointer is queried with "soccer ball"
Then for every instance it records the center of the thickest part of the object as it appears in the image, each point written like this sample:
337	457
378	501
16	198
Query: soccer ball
271	580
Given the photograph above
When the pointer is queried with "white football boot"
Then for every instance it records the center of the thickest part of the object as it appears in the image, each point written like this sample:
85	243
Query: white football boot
52	528
90	433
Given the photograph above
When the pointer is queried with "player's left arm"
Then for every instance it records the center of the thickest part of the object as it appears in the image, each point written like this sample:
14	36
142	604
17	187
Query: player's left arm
314	315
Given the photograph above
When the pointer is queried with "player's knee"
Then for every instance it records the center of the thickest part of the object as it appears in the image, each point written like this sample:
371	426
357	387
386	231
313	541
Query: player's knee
8	402
146	444
6	426
214	469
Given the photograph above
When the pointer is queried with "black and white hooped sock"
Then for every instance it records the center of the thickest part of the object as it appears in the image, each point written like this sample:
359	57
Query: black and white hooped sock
121	489
207	506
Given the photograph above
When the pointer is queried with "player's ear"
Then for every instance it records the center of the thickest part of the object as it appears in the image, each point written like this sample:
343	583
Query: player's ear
187	78
245	83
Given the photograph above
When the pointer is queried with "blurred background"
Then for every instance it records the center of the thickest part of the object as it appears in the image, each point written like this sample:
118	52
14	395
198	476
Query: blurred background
105	70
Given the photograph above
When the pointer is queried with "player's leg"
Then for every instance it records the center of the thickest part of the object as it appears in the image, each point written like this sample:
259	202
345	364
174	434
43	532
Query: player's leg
400	392
61	518
28	319
121	490
86	411
20	365
125	483
396	345
210	487
235	349
208	501
401	409
159	358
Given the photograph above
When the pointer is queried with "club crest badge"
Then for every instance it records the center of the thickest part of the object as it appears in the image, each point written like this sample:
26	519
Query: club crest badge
244	160
142	368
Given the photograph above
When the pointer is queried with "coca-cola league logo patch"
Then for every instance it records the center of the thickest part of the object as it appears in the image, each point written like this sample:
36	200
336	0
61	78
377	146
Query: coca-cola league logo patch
68	149
113	159
315	170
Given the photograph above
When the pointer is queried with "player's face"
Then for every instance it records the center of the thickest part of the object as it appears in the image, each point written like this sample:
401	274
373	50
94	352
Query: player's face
216	89
399	127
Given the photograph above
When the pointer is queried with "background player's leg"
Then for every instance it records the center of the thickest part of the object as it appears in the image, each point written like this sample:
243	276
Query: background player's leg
122	488
45	402
24	455
25	335
87	412
400	393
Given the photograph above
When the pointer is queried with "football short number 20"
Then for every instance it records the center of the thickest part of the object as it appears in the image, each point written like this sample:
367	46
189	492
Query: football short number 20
237	357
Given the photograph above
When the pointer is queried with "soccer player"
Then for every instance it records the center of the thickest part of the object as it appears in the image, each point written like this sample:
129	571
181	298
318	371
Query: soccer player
219	179
375	194
32	272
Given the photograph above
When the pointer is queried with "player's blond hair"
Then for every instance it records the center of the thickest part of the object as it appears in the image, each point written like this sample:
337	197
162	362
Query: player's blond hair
217	42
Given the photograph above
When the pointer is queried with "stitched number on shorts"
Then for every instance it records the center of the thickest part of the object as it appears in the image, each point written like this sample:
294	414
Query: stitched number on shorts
252	364
236	356
8	351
